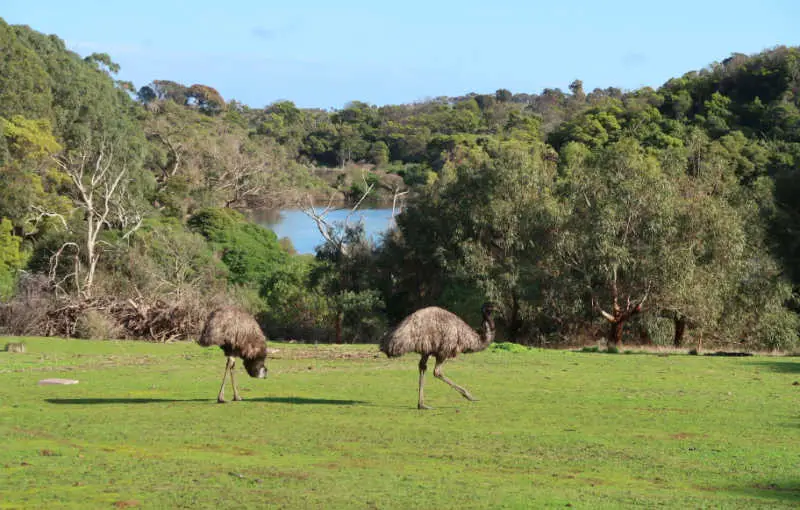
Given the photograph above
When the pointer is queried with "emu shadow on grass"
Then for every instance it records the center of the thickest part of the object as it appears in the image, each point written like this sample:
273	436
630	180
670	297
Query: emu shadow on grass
784	367
273	400
779	491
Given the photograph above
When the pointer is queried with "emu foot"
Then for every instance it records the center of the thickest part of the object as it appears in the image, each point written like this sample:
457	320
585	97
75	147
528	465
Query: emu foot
237	398
423	406
221	400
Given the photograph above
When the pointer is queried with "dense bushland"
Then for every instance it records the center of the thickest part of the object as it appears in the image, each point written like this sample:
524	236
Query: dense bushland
652	215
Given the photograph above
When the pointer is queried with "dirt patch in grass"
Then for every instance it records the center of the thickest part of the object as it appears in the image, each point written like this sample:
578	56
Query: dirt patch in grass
131	503
290	475
327	352
686	435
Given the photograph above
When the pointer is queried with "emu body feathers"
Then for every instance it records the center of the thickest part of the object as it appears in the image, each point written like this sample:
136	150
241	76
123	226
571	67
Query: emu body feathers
238	335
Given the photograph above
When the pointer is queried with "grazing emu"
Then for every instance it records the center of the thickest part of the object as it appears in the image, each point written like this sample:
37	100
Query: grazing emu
436	332
15	347
237	334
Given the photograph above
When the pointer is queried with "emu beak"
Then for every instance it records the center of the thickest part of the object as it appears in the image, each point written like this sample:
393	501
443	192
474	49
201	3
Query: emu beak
262	372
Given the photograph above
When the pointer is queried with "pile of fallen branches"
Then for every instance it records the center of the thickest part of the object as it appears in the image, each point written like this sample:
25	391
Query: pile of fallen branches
158	321
40	314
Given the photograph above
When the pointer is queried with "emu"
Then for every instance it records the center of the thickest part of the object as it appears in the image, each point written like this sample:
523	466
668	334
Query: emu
15	347
238	335
436	332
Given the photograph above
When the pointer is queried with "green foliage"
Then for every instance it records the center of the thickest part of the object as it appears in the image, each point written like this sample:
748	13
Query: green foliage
346	273
28	139
23	78
102	61
205	98
250	252
551	204
166	258
379	153
12	259
508	347
289	302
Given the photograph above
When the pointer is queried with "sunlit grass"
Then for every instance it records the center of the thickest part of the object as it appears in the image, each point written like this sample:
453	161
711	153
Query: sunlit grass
337	427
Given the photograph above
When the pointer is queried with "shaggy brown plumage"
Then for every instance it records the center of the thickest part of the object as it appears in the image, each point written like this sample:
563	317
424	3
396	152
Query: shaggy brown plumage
15	347
238	335
436	332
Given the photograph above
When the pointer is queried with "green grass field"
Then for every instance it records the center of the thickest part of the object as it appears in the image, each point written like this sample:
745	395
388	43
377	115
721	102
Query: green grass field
337	427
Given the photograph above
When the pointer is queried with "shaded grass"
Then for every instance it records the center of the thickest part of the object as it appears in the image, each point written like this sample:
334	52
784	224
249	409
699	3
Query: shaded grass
283	400
336	427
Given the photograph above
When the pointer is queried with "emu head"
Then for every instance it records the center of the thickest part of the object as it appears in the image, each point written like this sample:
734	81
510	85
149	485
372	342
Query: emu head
255	367
488	308
486	311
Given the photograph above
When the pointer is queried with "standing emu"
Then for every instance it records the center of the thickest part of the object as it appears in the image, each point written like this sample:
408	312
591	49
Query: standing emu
436	332
238	335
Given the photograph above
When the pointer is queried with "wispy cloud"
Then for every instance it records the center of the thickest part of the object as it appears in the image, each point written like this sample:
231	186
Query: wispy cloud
272	33
264	33
112	49
631	60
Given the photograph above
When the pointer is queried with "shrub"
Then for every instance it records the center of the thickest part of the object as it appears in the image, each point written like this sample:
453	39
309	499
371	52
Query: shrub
251	252
507	347
95	325
12	259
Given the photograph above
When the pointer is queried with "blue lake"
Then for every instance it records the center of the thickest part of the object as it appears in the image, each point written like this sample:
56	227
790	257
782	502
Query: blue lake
303	232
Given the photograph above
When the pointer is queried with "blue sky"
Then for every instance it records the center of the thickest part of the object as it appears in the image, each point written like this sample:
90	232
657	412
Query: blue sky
324	54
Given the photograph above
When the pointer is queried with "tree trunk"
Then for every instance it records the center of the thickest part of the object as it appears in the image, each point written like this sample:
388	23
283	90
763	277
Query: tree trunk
680	329
90	252
338	327
514	321
615	333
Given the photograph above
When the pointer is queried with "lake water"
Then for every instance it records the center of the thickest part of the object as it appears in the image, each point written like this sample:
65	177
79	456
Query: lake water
303	232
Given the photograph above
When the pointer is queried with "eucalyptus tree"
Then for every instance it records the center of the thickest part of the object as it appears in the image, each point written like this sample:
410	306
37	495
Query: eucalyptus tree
478	232
615	241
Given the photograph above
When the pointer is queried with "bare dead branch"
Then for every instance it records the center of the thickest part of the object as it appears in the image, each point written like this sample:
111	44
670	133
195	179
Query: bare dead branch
367	191
325	229
397	194
54	262
41	214
608	316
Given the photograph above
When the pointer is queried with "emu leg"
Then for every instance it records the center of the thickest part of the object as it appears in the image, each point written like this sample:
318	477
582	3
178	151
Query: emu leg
221	396
423	365
437	372
236	396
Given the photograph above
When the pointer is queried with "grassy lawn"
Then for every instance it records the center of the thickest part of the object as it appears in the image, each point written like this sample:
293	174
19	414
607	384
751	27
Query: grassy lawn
337	427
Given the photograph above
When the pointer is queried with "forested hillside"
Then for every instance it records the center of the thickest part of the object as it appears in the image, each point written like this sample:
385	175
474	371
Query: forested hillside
654	215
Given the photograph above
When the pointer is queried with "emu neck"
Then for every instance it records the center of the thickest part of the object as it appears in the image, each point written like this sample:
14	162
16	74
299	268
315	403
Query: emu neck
486	332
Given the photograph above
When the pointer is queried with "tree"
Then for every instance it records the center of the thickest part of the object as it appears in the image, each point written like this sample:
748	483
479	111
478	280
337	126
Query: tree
621	219
205	98
103	62
31	184
166	90
576	88
451	255
379	153
503	95
12	258
240	171
344	272
100	188
23	78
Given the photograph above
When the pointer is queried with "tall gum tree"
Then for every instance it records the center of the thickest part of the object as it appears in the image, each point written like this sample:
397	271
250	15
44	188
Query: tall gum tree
620	220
